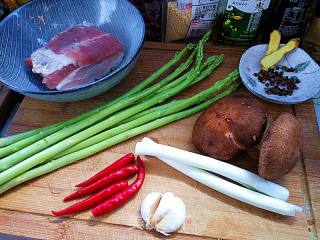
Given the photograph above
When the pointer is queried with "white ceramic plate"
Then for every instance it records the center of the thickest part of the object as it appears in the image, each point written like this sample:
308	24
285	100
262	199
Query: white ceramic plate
308	72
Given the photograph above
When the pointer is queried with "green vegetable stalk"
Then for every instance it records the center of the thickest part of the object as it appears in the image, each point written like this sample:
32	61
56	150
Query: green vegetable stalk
114	122
206	69
57	136
64	138
161	111
37	134
73	157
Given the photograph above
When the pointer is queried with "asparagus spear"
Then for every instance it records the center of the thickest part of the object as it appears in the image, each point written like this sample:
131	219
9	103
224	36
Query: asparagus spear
160	71
61	134
5	151
60	145
161	111
6	141
37	134
200	50
31	149
207	68
150	110
76	156
197	68
211	63
42	132
212	60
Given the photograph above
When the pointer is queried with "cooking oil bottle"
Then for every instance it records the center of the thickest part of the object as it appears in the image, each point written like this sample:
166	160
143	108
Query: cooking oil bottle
242	20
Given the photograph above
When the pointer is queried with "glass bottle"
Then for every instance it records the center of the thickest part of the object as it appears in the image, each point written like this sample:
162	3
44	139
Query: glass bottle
291	18
242	20
311	40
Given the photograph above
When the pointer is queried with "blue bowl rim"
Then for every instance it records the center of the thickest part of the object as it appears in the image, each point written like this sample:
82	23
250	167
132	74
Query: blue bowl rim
72	90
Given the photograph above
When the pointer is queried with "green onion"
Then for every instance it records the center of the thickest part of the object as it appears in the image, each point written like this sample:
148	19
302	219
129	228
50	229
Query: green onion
76	156
166	109
37	134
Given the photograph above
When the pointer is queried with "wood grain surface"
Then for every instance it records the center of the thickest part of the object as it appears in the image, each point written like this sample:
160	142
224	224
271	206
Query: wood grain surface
311	152
26	209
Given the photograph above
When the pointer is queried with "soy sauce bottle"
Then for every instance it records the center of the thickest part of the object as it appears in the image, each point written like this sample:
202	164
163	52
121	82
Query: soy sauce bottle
291	18
311	40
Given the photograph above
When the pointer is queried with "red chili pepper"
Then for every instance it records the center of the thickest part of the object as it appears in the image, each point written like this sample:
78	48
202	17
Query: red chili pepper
93	200
119	175
122	197
123	161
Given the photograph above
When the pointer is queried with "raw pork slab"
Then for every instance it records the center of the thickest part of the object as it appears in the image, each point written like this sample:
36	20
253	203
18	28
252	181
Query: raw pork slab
76	56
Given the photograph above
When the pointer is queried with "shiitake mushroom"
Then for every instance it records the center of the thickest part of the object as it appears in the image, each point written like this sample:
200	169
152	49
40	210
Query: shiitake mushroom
237	122
234	123
281	147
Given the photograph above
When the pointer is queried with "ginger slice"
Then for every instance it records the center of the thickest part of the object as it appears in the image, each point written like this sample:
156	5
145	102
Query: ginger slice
271	60
274	42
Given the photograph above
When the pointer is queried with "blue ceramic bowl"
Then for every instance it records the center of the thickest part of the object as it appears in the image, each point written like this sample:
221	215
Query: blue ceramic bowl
33	25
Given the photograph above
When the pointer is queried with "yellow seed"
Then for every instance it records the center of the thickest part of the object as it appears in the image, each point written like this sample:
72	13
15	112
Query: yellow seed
178	22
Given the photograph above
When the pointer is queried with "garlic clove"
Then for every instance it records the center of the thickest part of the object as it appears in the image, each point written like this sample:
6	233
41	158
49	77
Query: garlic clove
163	212
170	214
149	206
164	207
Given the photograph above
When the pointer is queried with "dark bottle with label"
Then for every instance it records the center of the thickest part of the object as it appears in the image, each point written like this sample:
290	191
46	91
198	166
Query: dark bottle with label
291	18
311	40
151	11
242	19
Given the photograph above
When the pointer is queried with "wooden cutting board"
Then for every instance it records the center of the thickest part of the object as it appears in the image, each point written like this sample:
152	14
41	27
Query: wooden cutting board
25	210
7	102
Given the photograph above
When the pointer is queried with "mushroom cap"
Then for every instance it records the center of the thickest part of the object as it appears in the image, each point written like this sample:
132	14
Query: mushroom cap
281	147
234	123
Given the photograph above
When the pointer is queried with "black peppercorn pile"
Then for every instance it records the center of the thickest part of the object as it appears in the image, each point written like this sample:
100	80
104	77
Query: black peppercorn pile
276	83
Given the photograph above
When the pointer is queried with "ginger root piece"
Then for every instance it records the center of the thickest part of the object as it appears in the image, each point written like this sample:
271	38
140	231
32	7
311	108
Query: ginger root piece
274	42
271	60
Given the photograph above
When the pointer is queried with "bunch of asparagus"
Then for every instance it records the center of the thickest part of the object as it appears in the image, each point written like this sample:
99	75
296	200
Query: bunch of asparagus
28	155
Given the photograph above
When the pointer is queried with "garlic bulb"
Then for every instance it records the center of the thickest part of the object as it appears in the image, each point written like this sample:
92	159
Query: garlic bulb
164	213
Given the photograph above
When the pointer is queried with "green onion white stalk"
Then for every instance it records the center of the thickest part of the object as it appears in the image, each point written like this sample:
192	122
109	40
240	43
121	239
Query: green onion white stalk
230	189
213	165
